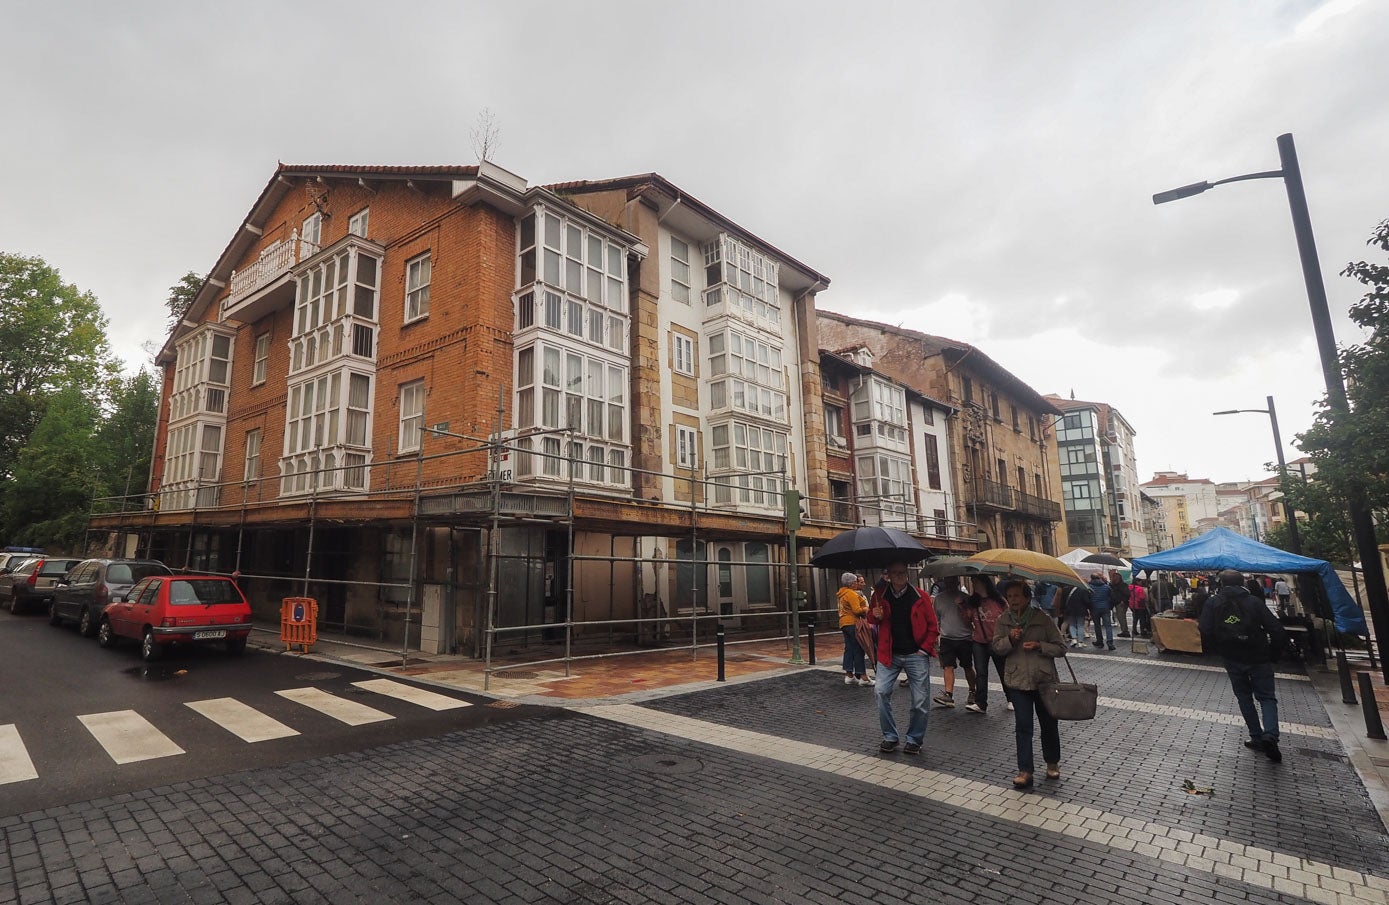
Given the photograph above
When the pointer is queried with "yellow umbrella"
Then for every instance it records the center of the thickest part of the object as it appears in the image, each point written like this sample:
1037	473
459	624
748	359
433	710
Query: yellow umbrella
1027	564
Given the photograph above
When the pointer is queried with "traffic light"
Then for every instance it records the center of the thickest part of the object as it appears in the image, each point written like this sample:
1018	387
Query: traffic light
792	499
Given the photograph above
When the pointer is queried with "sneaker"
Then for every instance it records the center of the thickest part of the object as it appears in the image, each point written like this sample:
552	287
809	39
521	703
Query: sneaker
872	676
902	680
1111	647
848	679
887	747
1272	752
970	702
945	699
1010	705
1098	643
1125	635
974	708
865	681
911	748
1253	745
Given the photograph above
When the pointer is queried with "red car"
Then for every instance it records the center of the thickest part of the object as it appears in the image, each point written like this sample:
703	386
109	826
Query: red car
178	609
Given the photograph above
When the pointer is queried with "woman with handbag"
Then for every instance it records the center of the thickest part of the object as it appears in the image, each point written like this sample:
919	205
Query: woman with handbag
1029	642
852	608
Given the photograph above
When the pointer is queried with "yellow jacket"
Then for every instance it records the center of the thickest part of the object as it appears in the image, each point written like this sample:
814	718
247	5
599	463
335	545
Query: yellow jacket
851	606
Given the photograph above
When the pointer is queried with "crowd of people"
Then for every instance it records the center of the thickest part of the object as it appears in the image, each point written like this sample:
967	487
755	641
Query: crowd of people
892	635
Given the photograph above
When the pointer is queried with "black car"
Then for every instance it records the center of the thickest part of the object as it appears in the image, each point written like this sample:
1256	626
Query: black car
92	584
31	585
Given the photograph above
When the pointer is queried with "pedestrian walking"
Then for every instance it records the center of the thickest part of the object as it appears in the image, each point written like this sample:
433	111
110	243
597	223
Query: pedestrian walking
1138	603
1239	627
986	606
1029	644
956	622
852	608
1077	609
1119	601
1284	594
871	652
907	638
1100	611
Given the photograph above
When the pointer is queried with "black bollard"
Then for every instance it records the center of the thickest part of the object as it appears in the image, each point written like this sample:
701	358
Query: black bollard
1374	727
718	640
810	640
1347	686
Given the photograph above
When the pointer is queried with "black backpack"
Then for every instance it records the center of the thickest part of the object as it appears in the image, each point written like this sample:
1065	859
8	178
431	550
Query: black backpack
1234	631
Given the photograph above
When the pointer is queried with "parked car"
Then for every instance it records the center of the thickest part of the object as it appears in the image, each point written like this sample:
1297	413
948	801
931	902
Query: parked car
183	609
11	561
92	584
31	585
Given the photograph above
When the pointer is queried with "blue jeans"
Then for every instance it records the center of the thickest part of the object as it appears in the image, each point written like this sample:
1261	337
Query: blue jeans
1075	626
918	669
853	652
1251	681
1104	619
1025	703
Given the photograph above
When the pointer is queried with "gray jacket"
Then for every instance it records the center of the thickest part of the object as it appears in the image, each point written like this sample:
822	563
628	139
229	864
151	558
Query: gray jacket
1026	670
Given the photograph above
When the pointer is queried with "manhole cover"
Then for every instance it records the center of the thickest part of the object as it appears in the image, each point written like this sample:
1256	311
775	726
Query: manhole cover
1324	755
515	674
318	676
503	705
667	763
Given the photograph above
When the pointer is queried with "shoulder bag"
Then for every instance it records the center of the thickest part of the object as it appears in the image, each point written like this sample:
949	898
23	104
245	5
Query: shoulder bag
1073	700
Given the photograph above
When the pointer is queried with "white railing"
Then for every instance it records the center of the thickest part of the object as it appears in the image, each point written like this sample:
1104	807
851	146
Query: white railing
274	260
342	469
348	335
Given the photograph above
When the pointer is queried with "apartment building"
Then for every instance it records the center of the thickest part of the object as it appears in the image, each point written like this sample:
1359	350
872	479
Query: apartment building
1099	477
1002	447
1190	505
443	396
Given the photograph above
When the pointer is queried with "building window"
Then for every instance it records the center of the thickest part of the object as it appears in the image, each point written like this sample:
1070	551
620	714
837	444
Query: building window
968	389
312	231
941	528
686	447
993	407
1022	482
742	448
357	224
682	348
834	426
210	460
933	462
252	470
754	380
741	281
928	414
1031	428
417	275
679	270
1016	425
258	371
411	415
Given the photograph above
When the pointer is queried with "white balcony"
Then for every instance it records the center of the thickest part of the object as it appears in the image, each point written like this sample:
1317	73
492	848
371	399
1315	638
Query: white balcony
345	338
333	469
266	284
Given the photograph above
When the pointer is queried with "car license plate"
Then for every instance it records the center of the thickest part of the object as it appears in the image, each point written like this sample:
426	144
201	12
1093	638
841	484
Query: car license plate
207	636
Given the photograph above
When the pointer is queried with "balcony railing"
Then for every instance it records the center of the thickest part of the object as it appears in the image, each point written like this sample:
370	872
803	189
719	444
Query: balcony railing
1038	507
991	493
274	261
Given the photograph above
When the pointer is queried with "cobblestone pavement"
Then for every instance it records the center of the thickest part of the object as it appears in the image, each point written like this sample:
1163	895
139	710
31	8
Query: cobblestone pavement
766	791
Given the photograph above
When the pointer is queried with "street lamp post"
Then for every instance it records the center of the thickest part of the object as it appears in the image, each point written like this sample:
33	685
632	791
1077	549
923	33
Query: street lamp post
1361	524
1294	537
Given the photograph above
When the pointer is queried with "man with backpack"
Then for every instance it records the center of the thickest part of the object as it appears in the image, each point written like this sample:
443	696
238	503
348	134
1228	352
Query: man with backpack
1240	628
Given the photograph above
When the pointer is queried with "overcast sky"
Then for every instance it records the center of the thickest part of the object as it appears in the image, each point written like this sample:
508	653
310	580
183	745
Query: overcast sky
982	171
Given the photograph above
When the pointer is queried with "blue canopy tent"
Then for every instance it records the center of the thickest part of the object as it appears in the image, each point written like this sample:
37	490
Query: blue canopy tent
1221	548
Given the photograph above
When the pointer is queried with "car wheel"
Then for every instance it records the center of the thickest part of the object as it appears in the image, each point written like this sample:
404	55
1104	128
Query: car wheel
87	626
149	649
53	617
104	636
236	646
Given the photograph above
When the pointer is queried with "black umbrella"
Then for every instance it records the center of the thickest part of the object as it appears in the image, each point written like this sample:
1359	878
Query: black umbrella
1106	559
869	547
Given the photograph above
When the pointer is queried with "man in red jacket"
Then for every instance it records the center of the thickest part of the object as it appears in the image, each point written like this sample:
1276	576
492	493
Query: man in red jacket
907	636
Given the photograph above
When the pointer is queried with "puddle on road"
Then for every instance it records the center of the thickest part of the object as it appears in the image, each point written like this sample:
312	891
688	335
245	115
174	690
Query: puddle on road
156	673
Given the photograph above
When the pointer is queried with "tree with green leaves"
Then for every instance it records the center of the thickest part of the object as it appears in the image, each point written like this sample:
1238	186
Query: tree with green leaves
1351	450
181	296
125	440
53	478
1324	528
52	336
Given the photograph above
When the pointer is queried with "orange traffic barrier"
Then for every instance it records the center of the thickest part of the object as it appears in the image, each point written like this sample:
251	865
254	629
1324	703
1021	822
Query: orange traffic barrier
299	622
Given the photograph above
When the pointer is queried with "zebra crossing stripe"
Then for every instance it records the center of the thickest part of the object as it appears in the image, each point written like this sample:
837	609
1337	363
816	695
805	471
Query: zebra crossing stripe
241	720
129	737
412	694
15	765
340	709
